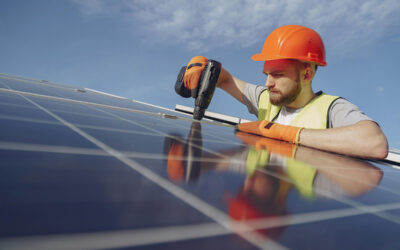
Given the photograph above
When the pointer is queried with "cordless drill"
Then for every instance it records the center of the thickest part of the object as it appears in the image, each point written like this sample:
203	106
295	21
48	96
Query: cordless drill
204	91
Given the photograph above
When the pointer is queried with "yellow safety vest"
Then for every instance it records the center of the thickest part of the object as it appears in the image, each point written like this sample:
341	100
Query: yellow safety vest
313	115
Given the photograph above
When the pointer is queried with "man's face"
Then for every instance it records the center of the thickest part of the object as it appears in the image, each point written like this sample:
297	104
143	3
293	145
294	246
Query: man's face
283	81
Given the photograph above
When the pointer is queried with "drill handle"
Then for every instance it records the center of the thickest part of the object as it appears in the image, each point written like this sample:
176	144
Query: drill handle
208	83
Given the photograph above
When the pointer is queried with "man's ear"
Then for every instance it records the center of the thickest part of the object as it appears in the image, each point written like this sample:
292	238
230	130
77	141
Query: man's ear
308	73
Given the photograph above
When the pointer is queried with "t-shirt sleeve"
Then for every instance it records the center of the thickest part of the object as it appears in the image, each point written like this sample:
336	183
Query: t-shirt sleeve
251	94
344	113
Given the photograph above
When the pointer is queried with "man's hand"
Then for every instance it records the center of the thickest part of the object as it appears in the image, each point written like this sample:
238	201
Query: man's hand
193	72
272	130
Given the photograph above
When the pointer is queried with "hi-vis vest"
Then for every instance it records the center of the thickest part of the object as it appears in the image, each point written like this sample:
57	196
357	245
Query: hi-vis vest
314	115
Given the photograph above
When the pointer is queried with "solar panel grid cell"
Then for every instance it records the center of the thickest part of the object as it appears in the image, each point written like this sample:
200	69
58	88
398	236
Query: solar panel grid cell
90	176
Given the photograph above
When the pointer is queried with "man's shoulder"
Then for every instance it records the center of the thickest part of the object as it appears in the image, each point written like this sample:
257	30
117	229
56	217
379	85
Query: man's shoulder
341	102
251	95
342	112
256	88
326	95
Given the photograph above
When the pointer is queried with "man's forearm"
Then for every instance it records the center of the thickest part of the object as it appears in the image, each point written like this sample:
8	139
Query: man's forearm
364	139
231	85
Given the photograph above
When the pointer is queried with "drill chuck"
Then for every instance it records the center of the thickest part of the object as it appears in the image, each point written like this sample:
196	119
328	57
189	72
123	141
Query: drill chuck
198	113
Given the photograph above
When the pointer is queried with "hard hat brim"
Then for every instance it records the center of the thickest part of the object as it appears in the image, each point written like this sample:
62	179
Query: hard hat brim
258	57
261	57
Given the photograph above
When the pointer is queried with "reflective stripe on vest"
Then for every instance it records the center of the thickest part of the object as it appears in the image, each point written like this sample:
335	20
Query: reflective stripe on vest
313	115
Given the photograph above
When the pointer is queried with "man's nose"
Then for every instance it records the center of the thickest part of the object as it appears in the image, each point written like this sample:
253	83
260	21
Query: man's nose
270	83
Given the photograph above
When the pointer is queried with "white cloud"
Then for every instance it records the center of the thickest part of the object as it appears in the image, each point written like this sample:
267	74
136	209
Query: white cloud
200	24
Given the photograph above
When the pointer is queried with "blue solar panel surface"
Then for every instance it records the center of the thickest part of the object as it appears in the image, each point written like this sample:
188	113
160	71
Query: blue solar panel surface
85	170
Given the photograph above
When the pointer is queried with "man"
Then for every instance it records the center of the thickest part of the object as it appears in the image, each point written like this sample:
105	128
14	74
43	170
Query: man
288	109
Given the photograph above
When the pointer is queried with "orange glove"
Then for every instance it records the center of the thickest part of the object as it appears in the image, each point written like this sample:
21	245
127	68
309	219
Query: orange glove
193	72
272	130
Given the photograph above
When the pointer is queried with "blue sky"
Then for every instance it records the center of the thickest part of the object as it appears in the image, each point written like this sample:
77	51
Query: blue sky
136	48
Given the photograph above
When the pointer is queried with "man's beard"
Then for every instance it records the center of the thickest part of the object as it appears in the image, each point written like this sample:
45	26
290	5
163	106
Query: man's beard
280	99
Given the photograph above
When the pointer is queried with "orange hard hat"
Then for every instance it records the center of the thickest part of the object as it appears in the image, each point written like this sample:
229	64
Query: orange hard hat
293	42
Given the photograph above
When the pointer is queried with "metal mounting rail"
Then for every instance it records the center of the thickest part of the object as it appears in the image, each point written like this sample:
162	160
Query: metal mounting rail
212	116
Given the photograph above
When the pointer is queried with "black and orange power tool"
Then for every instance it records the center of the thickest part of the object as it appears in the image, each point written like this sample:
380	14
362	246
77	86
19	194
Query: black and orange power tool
204	91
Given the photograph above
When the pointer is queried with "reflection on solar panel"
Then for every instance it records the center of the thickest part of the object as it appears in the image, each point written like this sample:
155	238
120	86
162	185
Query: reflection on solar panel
85	170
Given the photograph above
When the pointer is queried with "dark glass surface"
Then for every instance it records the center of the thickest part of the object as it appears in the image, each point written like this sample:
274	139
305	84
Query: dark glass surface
41	133
74	93
356	232
82	175
25	86
7	99
221	242
44	193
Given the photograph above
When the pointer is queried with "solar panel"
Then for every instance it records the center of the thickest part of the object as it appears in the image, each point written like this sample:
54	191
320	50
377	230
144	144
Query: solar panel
82	169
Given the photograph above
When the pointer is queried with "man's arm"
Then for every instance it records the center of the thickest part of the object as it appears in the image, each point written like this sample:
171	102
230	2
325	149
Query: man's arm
363	139
231	84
